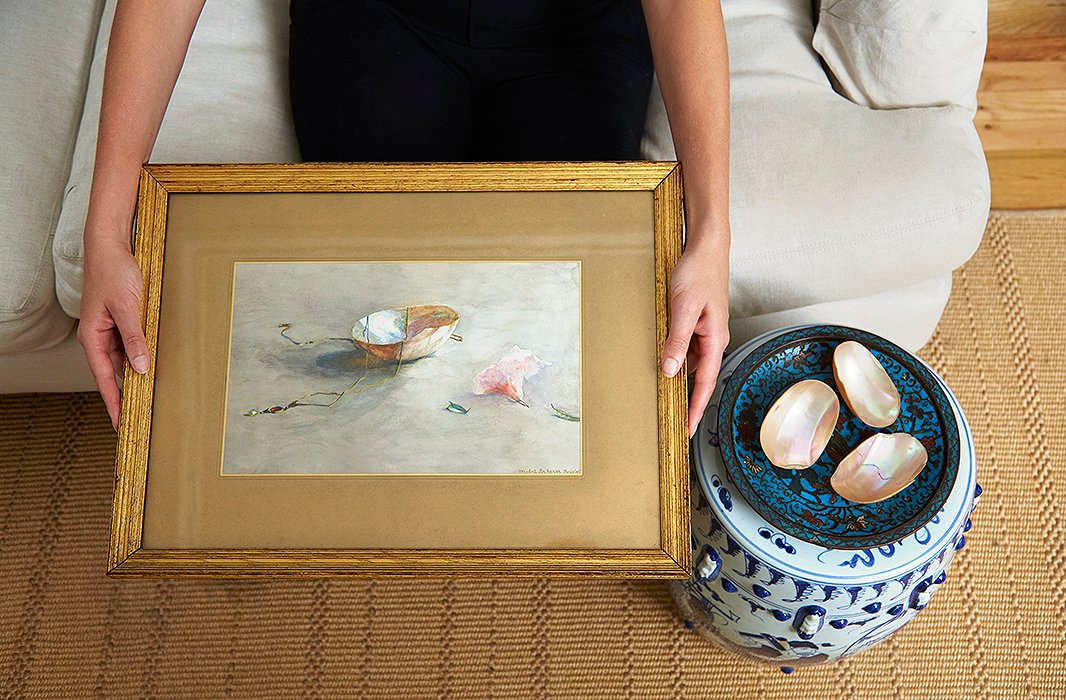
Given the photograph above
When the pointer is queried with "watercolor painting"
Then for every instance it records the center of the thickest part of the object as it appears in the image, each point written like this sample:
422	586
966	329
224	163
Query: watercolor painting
429	367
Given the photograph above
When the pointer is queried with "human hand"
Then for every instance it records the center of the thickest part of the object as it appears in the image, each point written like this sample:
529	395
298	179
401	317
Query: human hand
699	316
111	318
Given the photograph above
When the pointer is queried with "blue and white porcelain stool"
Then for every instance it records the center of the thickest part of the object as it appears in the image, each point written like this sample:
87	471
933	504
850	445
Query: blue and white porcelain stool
785	570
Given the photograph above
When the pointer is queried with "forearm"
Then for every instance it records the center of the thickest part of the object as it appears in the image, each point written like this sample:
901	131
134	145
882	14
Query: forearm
147	47
688	45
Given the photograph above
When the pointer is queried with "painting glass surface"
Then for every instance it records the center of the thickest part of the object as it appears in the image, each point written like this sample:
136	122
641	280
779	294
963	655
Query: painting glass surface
436	367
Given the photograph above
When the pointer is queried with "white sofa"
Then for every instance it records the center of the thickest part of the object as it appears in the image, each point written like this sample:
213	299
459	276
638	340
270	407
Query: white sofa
858	180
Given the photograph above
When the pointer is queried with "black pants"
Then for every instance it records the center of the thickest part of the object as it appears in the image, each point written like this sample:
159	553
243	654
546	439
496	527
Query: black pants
469	80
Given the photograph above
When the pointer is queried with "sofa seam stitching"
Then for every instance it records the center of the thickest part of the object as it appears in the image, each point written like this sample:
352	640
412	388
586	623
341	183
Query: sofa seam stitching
940	276
874	234
971	30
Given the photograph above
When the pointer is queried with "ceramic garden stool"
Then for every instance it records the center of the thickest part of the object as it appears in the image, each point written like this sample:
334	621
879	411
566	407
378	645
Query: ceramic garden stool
784	570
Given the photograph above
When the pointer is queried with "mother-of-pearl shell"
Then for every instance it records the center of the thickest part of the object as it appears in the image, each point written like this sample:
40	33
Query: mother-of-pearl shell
865	385
798	426
881	466
410	331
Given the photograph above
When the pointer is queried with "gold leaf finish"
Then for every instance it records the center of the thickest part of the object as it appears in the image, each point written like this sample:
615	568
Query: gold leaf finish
127	558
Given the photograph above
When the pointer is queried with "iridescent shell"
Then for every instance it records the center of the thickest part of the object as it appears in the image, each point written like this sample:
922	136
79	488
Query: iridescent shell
865	385
880	467
413	331
798	425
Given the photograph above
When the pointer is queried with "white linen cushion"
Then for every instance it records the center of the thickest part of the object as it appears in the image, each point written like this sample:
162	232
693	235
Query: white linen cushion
43	69
830	200
907	316
888	54
230	104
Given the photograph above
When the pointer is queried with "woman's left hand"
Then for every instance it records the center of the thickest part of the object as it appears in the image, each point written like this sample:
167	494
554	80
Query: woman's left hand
699	320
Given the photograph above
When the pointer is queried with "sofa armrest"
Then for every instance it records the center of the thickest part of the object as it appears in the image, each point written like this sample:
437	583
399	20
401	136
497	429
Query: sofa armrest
888	54
43	72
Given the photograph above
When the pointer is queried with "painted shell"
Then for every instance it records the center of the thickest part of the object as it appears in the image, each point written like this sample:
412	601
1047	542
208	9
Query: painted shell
865	385
799	424
880	467
414	331
507	375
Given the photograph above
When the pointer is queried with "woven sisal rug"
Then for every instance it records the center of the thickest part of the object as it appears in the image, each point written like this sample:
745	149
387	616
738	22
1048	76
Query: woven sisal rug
996	629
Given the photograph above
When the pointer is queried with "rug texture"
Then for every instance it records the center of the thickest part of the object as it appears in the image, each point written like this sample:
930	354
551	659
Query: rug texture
996	629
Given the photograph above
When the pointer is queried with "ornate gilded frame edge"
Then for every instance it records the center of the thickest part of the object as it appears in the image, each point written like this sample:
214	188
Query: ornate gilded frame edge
673	560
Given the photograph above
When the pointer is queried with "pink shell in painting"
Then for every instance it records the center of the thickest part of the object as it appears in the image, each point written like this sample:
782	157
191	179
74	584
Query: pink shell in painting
507	375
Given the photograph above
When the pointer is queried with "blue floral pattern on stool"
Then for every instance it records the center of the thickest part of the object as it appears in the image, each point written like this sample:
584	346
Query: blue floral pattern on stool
763	592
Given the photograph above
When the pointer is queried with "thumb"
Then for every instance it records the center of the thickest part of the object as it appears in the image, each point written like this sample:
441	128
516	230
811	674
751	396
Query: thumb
683	318
128	320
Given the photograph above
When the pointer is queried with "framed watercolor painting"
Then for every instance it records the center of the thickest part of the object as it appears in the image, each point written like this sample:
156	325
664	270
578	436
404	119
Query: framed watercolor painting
405	369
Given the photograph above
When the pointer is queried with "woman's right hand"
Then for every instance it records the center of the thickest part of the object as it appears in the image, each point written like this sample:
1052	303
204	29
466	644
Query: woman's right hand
110	326
145	50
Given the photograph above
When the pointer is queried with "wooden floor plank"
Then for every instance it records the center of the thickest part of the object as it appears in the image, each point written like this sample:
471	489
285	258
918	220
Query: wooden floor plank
1022	104
1026	48
1028	179
1009	76
1022	134
1029	17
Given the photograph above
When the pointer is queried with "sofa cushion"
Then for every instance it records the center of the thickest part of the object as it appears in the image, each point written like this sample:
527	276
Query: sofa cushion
888	54
230	104
831	200
43	71
907	316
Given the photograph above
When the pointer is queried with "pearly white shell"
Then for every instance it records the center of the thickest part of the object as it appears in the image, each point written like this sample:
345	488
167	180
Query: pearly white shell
880	467
865	385
799	424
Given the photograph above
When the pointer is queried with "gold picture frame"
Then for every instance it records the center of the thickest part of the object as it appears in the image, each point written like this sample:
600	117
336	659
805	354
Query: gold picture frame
172	194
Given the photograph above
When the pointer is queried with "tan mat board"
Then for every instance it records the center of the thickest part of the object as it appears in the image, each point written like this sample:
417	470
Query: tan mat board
994	630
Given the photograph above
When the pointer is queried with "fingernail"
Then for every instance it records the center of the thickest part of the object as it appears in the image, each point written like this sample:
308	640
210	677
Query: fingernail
140	363
670	366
